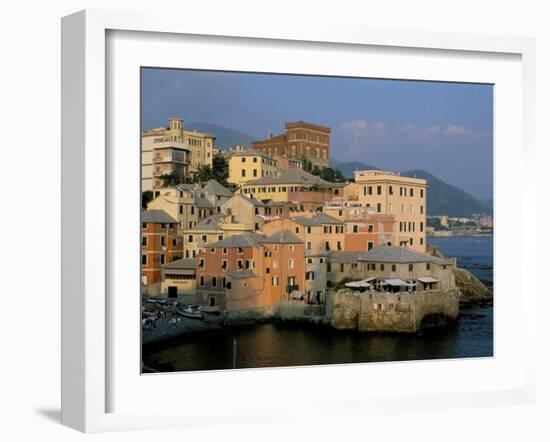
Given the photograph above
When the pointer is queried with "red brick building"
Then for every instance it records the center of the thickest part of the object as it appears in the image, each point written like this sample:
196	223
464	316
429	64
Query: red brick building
160	244
301	139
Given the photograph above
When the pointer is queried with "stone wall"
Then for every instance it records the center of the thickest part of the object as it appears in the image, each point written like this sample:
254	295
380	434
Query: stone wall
393	312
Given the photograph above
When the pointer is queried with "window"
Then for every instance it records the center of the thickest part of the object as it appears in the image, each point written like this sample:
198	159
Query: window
410	267
143	240
427	266
327	245
297	230
214	281
421	210
162	240
421	193
224	264
243	160
243	172
390	190
411	241
254	172
379	207
143	260
379	190
275	247
190	238
204	238
393	267
309	230
290	263
275	264
370	228
201	263
255	159
308	245
267	269
421	241
162	258
181	209
291	248
201	281
192	210
412	192
382	267
321	260
310	260
275	281
239	264
224	251
369	190
370	245
338	245
220	237
310	276
174	242
421	226
342	268
355	228
143	225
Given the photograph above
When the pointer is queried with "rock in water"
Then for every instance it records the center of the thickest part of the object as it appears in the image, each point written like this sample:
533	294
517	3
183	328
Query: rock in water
472	290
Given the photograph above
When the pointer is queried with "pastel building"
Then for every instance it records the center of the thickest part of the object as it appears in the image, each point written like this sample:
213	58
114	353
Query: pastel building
248	165
173	150
402	197
249	271
160	244
179	278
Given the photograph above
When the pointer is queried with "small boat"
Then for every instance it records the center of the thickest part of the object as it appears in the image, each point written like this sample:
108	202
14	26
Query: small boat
190	312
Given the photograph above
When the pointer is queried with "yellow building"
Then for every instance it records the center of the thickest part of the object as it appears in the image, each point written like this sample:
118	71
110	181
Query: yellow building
201	146
403	197
248	165
178	278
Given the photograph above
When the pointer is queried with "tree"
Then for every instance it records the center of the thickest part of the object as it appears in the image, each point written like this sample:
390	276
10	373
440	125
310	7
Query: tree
174	178
220	169
146	198
204	173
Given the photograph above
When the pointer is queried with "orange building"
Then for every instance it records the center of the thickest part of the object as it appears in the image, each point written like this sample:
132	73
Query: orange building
160	244
301	139
249	271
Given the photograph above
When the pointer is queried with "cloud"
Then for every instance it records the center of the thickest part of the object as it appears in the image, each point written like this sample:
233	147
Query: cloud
452	129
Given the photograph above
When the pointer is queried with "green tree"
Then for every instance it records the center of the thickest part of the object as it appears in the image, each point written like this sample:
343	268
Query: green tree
146	198
204	173
174	178
220	169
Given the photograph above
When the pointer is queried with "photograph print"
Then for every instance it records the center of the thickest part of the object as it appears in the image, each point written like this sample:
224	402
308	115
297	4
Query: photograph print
301	220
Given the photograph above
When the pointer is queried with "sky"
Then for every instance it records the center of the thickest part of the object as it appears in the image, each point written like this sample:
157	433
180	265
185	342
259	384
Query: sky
443	128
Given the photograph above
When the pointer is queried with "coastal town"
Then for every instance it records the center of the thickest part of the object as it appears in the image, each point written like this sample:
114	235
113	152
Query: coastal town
271	231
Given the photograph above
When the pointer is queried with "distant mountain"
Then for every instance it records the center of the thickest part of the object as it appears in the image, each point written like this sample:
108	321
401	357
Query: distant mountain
445	199
349	167
488	202
225	137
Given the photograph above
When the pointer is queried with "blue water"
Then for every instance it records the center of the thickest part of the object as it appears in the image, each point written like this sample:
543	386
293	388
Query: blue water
281	344
474	253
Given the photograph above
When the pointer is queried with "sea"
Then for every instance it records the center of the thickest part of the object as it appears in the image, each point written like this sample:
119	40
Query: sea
276	344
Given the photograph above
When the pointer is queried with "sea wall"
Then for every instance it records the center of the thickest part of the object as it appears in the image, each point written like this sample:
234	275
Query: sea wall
393	312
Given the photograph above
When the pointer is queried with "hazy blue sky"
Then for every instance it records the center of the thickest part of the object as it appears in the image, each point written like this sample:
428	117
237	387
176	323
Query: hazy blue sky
444	128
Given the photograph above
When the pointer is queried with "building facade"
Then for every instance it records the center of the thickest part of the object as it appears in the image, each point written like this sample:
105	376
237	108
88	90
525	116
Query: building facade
300	140
249	165
160	244
403	197
173	150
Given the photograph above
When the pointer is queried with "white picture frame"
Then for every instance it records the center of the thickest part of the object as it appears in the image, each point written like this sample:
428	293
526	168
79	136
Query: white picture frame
87	353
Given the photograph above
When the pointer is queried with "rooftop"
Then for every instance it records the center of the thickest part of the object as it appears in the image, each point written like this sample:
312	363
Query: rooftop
157	216
244	240
316	220
400	255
284	237
184	264
293	175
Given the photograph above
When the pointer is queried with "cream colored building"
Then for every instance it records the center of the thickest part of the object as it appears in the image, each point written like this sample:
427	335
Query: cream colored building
248	165
172	149
403	197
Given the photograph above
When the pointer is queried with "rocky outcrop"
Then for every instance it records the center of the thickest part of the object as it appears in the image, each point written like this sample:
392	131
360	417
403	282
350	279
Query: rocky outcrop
471	289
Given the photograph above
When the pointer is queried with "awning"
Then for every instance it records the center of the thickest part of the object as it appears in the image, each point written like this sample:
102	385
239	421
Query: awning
398	283
363	283
428	279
